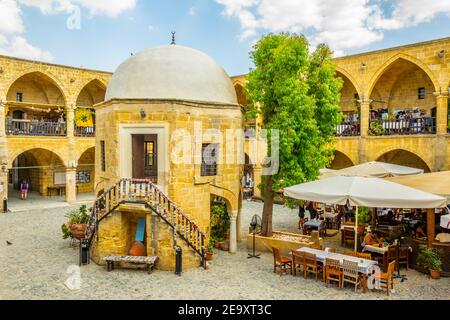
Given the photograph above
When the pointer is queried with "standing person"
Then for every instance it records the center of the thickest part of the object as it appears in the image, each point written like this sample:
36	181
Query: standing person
24	186
312	210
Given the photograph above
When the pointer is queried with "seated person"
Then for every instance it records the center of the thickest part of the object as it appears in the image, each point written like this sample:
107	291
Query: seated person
420	230
372	239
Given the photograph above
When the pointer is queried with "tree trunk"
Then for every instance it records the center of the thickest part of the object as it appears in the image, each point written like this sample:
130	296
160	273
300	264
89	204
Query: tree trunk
266	230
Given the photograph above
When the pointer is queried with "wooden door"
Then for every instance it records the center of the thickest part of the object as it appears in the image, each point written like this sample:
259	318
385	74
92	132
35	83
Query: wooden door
145	156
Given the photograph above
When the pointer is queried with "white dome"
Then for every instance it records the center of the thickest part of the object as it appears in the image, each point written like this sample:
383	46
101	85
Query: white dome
172	72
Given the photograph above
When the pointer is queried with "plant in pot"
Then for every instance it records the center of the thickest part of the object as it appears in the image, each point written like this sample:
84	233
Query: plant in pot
76	223
363	218
429	260
220	225
209	249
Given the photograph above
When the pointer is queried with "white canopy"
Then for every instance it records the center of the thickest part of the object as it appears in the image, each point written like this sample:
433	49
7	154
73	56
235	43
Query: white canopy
373	169
445	221
367	192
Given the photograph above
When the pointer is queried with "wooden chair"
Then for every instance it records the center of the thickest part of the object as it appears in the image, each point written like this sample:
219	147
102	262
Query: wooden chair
317	246
298	261
350	253
350	274
332	250
403	256
333	271
387	278
348	236
280	262
311	265
363	255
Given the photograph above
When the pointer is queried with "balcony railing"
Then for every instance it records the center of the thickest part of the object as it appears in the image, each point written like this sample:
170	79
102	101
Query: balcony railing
348	129
84	131
35	128
425	125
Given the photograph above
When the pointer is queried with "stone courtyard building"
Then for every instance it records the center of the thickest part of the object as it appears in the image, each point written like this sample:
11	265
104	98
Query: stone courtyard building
61	125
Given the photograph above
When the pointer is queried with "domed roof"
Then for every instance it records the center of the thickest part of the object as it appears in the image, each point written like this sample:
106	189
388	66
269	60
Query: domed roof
172	72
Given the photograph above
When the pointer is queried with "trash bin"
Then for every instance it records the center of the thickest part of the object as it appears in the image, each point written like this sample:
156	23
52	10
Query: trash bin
178	260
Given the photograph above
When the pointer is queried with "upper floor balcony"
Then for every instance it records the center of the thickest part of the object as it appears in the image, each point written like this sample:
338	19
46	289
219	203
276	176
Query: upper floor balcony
350	127
24	127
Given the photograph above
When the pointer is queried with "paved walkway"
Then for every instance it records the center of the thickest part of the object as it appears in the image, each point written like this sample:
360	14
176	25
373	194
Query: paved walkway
35	267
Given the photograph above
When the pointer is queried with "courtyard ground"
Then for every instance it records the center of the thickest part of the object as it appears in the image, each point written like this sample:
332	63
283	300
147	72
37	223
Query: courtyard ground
35	267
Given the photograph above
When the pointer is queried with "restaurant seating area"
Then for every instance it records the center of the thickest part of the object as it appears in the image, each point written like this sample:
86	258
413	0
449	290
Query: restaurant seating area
351	269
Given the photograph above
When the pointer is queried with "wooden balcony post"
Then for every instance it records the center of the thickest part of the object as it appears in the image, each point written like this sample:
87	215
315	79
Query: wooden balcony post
430	227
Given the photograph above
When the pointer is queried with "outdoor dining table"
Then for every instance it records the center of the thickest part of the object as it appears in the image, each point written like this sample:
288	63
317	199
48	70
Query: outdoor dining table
365	267
317	224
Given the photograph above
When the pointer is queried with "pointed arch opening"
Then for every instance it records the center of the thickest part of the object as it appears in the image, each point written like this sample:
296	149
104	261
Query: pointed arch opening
403	100
349	104
43	170
86	175
404	158
35	106
341	161
92	93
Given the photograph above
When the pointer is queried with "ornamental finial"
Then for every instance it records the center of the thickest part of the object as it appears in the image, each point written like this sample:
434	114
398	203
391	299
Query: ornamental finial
173	38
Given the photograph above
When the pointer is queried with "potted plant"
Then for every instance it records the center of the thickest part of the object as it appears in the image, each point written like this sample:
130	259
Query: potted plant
363	218
428	259
220	225
209	250
76	224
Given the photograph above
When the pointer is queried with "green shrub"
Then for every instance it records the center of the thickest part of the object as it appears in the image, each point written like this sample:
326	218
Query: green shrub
220	223
363	215
428	258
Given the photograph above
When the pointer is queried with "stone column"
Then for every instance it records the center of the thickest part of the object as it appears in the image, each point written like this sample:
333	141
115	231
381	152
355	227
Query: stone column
233	232
442	112
440	149
240	235
70	122
365	117
3	157
71	185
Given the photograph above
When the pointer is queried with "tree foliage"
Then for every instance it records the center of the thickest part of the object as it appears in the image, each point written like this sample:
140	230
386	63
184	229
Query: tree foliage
297	92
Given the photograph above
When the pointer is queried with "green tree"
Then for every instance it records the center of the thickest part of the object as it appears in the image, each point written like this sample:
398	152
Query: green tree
296	92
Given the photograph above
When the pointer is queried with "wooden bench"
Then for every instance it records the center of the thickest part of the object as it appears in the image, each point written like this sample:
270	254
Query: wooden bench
149	261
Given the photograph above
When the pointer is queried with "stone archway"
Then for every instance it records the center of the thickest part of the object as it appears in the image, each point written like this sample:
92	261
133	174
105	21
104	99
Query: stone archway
341	161
404	158
45	173
86	175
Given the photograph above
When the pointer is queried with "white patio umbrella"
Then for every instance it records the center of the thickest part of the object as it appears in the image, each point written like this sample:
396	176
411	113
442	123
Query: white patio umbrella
374	169
363	191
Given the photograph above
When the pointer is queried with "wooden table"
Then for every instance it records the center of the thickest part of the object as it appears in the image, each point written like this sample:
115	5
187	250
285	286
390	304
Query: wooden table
365	267
315	224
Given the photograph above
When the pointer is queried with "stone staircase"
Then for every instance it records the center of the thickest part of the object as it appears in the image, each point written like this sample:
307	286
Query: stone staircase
145	192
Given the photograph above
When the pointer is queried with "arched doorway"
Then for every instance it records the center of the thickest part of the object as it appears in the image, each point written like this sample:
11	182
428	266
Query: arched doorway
35	106
404	158
248	181
349	104
241	95
341	161
91	94
86	175
45	173
403	100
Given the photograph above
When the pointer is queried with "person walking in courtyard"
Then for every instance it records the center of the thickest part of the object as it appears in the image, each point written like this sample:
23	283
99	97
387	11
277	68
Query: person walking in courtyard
24	186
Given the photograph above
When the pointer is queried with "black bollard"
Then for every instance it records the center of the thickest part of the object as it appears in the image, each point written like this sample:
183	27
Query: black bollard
178	260
5	205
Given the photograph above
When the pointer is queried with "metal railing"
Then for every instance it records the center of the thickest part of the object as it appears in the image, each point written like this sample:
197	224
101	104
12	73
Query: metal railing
35	128
348	129
84	131
425	125
147	193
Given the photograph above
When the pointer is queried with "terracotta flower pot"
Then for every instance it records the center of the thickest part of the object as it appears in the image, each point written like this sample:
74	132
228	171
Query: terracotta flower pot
209	256
138	250
435	274
225	245
78	231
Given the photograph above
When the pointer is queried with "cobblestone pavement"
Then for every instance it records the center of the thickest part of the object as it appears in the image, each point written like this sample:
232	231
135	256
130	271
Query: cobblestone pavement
35	267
